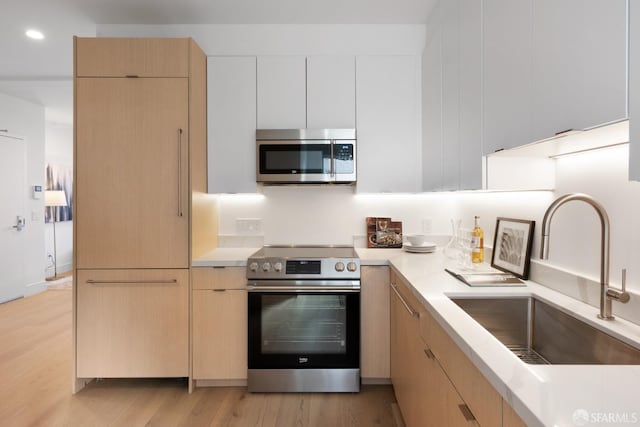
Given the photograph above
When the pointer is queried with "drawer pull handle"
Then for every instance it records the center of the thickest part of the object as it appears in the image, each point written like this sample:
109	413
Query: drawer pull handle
411	311
130	282
429	353
219	290
466	412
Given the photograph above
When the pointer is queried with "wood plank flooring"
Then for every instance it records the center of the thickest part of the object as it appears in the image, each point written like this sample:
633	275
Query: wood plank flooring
35	386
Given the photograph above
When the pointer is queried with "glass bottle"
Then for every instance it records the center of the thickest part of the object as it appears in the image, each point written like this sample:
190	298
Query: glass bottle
477	235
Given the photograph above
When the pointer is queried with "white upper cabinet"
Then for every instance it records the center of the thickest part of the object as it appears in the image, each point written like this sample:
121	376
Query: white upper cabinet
388	117
634	90
331	92
282	92
470	93
579	64
231	99
507	77
432	108
452	101
450	96
550	66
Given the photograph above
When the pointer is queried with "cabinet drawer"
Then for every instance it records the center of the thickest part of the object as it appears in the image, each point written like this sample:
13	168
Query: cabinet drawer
219	278
132	323
141	57
483	400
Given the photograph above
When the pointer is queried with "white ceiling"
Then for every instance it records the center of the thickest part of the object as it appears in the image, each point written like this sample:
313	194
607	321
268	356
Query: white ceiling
41	71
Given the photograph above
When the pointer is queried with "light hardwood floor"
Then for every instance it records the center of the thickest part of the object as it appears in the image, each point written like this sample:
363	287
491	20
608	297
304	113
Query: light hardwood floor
35	386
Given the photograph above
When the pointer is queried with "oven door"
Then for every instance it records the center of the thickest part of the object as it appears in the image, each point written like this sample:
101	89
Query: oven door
304	329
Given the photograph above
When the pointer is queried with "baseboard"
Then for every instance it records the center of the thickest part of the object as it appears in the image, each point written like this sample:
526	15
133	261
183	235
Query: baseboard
375	381
62	268
220	383
35	288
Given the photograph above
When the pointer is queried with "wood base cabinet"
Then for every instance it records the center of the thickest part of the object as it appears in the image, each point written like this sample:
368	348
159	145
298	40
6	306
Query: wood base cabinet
219	324
424	392
132	323
374	324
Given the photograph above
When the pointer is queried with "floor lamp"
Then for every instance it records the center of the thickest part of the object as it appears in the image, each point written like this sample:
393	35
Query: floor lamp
54	199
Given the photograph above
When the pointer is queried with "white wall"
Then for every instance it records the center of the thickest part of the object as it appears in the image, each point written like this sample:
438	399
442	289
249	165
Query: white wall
59	151
27	120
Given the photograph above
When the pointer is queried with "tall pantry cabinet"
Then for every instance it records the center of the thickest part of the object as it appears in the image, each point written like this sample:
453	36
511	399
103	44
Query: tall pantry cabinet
140	163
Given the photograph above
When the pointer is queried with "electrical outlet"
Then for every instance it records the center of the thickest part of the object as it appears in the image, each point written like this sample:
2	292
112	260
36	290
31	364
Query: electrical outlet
249	226
426	225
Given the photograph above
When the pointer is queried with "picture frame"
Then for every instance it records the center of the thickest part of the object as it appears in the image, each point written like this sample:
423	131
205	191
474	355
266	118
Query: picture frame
512	246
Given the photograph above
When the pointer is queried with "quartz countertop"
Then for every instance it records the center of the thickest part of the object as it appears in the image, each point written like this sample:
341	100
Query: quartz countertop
542	395
225	257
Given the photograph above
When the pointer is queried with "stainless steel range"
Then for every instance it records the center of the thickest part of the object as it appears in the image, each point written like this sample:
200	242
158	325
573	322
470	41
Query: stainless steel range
304	319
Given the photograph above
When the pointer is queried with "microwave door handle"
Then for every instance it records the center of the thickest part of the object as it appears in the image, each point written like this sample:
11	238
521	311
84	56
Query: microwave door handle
333	161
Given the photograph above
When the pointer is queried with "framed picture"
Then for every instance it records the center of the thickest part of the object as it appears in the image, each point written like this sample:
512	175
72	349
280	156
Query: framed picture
512	246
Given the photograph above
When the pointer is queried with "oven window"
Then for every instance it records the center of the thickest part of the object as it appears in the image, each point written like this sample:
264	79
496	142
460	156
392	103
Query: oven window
309	324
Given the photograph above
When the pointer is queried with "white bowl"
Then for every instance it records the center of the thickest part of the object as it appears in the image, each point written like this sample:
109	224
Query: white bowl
416	239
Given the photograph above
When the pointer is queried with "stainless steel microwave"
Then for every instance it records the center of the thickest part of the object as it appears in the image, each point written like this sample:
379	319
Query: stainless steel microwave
306	156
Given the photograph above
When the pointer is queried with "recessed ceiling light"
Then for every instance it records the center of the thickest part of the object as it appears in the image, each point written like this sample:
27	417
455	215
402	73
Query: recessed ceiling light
34	34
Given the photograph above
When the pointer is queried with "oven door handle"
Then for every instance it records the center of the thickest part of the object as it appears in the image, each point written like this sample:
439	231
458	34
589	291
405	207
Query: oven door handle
304	286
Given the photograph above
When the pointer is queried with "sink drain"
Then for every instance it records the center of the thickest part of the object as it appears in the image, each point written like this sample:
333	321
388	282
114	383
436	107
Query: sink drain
528	355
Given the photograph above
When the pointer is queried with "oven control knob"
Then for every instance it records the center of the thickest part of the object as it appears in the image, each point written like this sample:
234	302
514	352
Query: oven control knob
253	266
340	266
352	266
266	266
277	266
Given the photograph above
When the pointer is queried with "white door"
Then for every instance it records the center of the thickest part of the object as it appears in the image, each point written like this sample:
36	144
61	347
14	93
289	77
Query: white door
12	237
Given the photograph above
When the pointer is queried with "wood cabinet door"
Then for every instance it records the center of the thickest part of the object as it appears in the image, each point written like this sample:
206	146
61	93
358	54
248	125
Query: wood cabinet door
141	57
220	334
132	173
374	329
132	323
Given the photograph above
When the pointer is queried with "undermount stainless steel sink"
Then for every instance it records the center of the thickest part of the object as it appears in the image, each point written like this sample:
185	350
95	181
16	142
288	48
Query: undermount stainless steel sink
541	334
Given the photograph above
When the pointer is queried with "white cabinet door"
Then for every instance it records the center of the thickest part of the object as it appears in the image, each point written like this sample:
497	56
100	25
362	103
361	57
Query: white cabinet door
470	93
450	96
579	64
432	111
387	113
231	97
634	90
282	92
507	77
331	92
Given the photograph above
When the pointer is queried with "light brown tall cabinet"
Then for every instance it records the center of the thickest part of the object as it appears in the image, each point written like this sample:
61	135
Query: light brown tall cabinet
140	185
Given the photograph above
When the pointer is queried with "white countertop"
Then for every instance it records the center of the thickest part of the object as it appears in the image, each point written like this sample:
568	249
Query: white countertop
225	257
542	395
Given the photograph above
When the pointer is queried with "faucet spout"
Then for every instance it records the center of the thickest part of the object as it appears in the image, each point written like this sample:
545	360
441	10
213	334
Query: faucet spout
605	300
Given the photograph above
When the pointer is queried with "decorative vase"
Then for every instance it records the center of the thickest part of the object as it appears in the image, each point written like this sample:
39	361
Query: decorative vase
451	249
